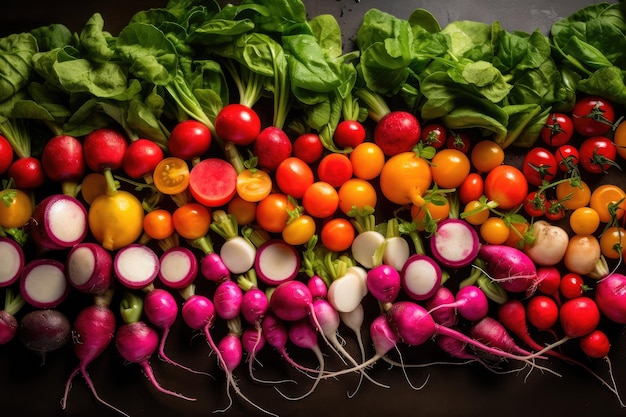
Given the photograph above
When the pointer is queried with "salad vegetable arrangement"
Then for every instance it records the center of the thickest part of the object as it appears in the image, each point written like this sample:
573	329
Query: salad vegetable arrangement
236	172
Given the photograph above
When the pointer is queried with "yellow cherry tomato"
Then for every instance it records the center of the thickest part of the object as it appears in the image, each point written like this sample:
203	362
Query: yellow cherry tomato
16	208
486	155
478	217
299	230
608	200
405	178
437	213
171	175
116	219
613	242
449	168
573	196
254	185
367	160
92	186
356	193
494	231
584	221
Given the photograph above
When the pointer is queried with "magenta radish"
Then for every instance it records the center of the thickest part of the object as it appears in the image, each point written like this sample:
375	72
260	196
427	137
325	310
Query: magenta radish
317	286
43	283
141	158
136	266
421	277
384	283
178	267
491	332
89	268
60	222
470	302
254	306
455	244
212	266
227	300
509	267
44	330
62	160
161	310
441	307
276	262
136	341
610	295
92	332
237	253
12	256
8	323
271	147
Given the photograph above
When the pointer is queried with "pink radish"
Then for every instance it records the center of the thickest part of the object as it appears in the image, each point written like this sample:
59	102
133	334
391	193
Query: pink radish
455	244
12	256
212	266
384	283
43	283
271	147
136	266
8	323
141	158
60	222
441	307
317	286
92	332
178	267
421	277
610	296
470	302
89	268
136	341
509	267
62	160
276	262
161	310
227	300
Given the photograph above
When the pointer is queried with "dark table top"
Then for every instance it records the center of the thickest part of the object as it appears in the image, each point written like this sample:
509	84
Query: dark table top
31	389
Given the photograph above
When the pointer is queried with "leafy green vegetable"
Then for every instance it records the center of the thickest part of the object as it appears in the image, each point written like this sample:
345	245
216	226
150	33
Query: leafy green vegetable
16	52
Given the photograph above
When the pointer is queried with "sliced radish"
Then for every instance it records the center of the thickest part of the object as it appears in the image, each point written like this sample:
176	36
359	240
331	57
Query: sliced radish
421	277
455	244
345	293
213	182
178	267
276	262
60	222
238	255
89	268
43	283
365	245
12	256
136	266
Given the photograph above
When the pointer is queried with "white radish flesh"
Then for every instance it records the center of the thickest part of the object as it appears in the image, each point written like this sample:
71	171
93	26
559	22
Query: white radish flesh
12	256
89	268
455	244
136	266
345	294
397	251
178	267
276	262
421	277
43	283
238	255
60	222
365	245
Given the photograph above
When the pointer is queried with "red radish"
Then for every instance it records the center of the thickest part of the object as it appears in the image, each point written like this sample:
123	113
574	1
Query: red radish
271	147
610	295
396	132
238	123
421	277
8	323
595	344
276	262
213	182
492	333
60	222
44	331
227	300
89	268
104	149
12	256
63	161
28	173
455	244
542	312
509	267
549	281
140	159
6	154
579	316
383	282
441	307
136	266
189	140
92	332
136	341
308	147
161	310
178	267
43	283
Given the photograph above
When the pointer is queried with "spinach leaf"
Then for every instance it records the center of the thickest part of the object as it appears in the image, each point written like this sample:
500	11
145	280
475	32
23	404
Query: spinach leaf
16	52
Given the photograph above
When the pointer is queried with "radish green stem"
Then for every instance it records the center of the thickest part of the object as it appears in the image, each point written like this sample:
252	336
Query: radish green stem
248	280
13	302
131	308
410	229
377	107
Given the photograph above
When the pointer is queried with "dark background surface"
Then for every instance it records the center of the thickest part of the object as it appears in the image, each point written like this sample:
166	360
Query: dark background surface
28	388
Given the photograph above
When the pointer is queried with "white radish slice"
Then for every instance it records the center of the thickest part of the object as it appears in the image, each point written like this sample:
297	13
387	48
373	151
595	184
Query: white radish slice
60	222
396	252
421	277
455	244
136	266
178	267
345	294
12	261
238	255
365	245
276	262
89	268
43	283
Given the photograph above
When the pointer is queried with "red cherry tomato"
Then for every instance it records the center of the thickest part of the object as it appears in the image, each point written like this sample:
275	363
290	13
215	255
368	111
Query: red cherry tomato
558	129
554	210
472	188
434	134
597	154
539	165
349	134
507	186
535	204
572	285
459	141
294	176
238	123
567	158
593	116
308	147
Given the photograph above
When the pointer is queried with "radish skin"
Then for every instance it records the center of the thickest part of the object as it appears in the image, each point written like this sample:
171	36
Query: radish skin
89	268
509	267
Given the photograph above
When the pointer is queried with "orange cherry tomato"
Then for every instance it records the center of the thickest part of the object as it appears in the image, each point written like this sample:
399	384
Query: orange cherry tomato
299	230
192	220
171	175
437	213
356	193
337	234
573	196
272	213
320	199
243	210
613	242
506	185
494	231
367	160
158	224
486	155
449	168
16	208
608	200
92	185
254	185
